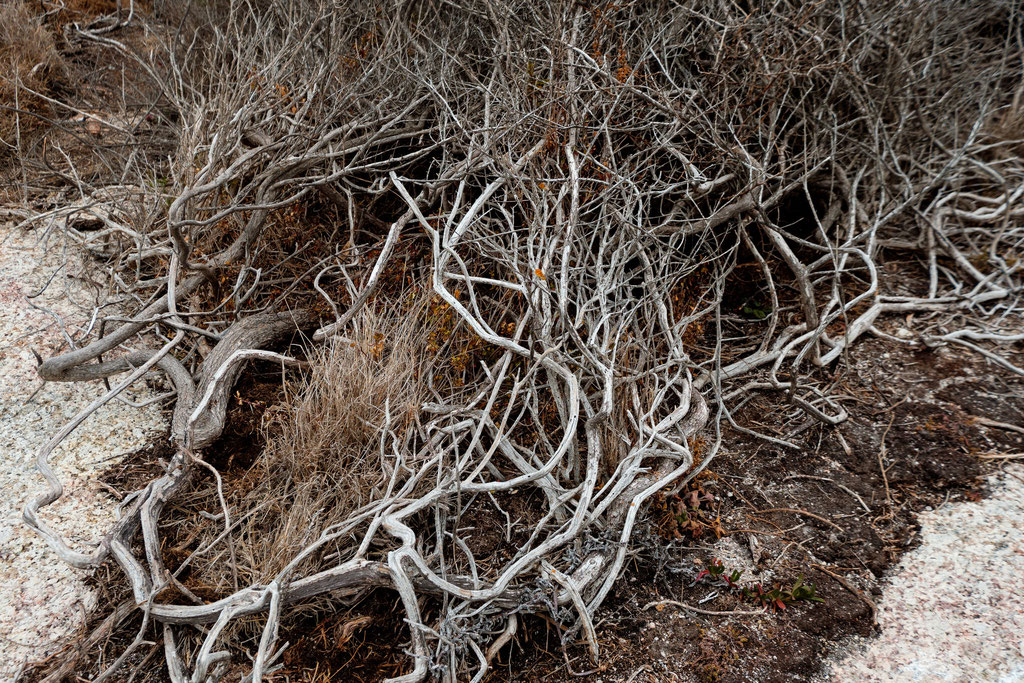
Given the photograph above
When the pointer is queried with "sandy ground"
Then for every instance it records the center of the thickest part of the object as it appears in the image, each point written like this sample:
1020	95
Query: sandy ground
42	600
952	611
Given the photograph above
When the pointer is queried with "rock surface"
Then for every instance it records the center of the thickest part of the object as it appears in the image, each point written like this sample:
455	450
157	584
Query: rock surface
41	599
953	610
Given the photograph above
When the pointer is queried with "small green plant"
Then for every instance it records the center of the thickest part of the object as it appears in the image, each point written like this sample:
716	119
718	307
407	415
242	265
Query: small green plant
771	598
756	309
777	598
801	591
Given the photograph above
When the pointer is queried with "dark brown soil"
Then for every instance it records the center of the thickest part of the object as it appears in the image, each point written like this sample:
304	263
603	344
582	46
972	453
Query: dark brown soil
362	643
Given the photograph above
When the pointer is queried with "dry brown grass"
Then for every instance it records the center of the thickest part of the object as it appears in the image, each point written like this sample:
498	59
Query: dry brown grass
323	460
29	60
1007	126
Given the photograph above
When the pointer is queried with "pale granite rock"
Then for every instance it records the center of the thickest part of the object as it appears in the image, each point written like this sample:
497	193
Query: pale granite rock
953	610
42	600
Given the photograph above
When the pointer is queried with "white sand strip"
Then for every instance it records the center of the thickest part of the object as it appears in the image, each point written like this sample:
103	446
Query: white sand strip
41	599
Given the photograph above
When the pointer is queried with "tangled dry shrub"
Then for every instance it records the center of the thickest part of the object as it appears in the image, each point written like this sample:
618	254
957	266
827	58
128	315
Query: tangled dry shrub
581	183
29	60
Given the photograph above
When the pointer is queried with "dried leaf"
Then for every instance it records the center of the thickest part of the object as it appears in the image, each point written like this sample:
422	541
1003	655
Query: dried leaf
349	629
